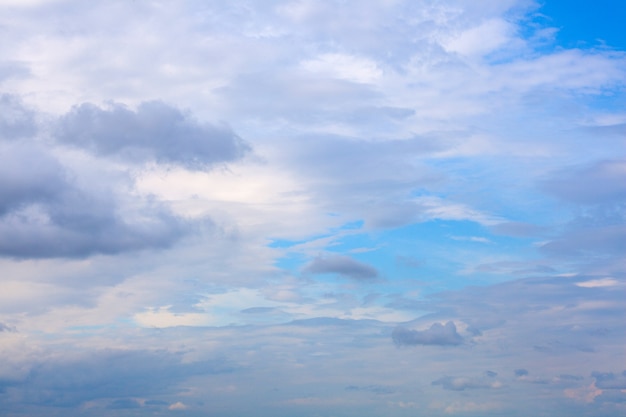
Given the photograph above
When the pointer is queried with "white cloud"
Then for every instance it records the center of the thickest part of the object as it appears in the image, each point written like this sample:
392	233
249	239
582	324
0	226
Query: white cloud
347	67
177	406
482	39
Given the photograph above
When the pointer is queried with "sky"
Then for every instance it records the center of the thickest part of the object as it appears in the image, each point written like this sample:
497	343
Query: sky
317	208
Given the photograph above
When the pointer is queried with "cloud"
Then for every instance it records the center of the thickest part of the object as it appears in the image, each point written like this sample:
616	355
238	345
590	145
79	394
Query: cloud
375	389
461	384
155	131
5	328
48	210
16	120
610	380
598	183
178	406
437	334
118	374
123	404
342	265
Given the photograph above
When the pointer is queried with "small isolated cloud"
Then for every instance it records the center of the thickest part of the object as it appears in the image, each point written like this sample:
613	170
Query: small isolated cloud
461	384
437	334
178	406
154	132
342	265
374	389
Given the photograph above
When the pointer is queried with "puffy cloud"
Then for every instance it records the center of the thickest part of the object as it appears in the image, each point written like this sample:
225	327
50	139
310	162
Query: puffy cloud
342	265
154	132
437	334
45	215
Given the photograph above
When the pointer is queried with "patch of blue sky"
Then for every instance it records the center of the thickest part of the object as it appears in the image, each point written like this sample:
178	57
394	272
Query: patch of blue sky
434	255
587	24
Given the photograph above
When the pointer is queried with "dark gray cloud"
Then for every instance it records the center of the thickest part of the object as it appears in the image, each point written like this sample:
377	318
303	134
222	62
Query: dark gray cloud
342	265
437	334
16	120
113	374
154	132
44	212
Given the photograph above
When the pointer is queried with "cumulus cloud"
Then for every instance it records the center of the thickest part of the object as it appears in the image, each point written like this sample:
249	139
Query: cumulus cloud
437	334
342	265
47	210
54	206
155	131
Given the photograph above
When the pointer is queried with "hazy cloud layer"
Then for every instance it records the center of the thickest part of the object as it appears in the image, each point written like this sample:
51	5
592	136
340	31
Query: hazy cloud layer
295	207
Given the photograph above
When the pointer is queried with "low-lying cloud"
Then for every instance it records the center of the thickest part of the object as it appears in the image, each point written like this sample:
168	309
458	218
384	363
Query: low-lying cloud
437	334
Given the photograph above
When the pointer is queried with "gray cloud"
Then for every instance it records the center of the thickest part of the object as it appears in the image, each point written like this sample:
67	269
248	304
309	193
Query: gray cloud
5	328
123	404
28	175
437	334
342	265
610	380
44	212
16	120
375	389
115	374
601	182
155	131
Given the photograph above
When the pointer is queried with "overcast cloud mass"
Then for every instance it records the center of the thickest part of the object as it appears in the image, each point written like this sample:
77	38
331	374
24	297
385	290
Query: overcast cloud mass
312	208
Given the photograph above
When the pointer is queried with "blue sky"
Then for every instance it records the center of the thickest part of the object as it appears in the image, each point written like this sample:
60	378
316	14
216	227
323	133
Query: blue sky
313	208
